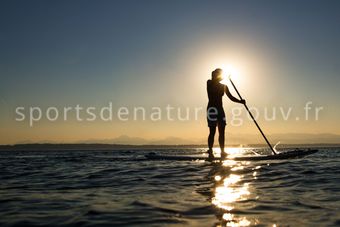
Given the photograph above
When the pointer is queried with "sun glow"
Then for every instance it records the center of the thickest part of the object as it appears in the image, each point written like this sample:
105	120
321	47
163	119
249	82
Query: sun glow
229	71
235	68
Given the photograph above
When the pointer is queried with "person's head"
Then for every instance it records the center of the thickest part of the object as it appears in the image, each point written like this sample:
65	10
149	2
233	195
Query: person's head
217	74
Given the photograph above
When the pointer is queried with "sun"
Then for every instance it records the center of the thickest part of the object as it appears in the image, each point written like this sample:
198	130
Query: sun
228	72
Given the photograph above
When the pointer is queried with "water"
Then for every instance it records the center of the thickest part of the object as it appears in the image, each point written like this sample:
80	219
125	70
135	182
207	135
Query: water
121	188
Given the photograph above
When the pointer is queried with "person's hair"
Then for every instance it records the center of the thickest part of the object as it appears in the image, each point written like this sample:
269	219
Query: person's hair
217	72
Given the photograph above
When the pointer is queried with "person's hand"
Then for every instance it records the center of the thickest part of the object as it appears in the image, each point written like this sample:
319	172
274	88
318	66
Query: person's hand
243	101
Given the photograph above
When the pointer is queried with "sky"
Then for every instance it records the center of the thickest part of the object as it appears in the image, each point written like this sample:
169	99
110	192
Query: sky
159	53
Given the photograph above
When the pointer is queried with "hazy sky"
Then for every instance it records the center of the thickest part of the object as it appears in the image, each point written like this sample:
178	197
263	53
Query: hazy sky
155	53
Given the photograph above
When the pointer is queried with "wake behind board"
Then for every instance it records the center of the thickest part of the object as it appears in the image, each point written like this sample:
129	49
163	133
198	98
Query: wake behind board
283	155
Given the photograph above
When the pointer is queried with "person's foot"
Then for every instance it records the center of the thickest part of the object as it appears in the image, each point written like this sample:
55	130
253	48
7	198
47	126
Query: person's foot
223	155
211	155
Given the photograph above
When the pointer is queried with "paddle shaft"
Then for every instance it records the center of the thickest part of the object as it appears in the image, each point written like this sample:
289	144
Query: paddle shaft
251	115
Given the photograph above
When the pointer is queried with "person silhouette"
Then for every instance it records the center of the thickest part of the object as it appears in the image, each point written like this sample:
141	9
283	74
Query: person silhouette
215	111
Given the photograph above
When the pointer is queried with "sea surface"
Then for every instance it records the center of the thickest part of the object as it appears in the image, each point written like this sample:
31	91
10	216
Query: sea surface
122	188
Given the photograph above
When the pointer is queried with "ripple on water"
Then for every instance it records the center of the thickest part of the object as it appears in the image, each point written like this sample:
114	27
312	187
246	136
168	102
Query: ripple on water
122	188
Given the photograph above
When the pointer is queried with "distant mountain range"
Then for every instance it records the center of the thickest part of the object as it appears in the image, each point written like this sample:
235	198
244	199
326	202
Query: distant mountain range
285	138
231	139
124	139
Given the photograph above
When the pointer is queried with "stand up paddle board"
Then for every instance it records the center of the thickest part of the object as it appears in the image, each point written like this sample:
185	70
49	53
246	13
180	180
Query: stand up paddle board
298	153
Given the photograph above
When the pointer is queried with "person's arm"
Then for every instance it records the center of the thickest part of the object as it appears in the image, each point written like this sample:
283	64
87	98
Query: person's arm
231	97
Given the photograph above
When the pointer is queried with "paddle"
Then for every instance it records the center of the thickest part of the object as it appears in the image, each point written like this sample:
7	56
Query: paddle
245	105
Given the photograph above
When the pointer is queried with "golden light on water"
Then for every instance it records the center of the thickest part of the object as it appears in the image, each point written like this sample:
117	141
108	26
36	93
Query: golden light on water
236	168
218	178
234	186
232	223
234	150
231	151
231	189
229	193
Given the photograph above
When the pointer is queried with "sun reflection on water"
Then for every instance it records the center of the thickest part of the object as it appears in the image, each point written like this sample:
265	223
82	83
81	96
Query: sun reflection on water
230	151
235	187
227	193
231	189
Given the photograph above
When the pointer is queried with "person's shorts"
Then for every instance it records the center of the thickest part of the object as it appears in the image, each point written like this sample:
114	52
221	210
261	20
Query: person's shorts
215	117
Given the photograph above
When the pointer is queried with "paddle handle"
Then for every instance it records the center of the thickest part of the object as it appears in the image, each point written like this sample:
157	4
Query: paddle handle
252	117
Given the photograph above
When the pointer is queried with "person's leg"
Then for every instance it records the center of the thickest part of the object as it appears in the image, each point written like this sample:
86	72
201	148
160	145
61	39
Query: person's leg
212	131
221	138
